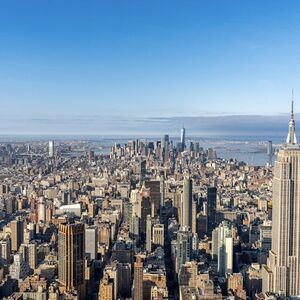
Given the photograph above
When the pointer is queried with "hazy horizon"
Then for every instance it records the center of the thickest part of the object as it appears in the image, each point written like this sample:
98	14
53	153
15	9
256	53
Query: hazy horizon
234	126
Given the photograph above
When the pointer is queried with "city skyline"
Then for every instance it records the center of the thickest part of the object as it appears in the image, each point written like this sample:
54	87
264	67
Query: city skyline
150	219
148	150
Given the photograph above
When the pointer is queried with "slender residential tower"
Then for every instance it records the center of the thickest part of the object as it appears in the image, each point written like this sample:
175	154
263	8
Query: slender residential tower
282	273
187	199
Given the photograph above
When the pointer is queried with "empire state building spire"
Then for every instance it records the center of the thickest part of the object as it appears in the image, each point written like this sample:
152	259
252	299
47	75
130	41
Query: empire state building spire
281	275
291	137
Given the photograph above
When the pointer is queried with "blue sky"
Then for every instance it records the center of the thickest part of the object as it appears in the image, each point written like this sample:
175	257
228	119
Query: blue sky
68	62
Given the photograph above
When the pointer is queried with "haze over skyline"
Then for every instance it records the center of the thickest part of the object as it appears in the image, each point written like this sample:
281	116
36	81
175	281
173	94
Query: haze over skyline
76	67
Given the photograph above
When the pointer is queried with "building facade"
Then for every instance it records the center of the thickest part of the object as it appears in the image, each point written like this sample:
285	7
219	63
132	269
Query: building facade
71	257
282	272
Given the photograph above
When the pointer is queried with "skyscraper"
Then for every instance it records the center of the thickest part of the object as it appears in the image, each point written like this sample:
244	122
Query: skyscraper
211	209
214	246
158	235
91	239
270	152
19	269
145	211
142	169
5	249
225	248
194	216
17	233
164	141
71	257
282	272
162	190
184	248
51	149
41	210
182	138
155	195
187	198
29	254
149	234
138	279
106	288
124	279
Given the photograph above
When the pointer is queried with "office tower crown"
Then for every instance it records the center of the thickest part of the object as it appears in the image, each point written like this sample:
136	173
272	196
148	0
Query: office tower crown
291	137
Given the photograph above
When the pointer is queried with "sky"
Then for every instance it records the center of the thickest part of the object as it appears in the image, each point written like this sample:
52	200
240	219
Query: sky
104	67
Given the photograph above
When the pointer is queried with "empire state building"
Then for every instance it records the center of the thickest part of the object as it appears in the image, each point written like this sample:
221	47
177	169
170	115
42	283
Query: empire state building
282	273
